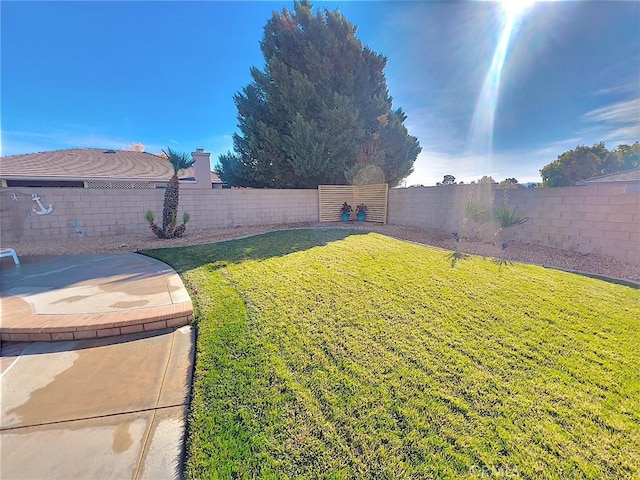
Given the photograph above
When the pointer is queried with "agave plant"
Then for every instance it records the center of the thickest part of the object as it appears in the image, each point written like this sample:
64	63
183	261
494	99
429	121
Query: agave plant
509	218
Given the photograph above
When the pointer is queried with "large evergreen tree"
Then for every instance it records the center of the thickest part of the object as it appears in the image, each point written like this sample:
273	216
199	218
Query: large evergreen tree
320	112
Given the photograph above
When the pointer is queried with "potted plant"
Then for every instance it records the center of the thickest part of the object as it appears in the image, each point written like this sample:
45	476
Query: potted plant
346	211
361	212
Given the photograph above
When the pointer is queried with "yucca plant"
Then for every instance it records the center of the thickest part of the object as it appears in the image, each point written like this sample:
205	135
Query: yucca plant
476	217
179	231
171	195
476	211
150	217
171	198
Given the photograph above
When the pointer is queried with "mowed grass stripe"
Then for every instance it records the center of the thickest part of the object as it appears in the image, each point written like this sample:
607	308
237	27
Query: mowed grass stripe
361	356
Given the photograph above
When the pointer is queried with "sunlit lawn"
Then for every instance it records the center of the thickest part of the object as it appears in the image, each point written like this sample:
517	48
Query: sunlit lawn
337	354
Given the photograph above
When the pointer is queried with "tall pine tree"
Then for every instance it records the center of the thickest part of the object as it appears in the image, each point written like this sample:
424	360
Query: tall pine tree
320	112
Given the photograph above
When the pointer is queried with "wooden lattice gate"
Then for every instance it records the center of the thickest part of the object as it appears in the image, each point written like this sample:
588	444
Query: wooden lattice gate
331	198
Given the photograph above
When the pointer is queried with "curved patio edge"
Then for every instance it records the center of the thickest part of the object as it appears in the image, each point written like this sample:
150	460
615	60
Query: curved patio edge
96	296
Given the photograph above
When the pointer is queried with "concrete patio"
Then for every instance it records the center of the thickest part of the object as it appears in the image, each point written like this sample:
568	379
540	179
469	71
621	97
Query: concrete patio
75	297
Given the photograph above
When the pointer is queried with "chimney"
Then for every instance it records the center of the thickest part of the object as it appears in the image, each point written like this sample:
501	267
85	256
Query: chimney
202	168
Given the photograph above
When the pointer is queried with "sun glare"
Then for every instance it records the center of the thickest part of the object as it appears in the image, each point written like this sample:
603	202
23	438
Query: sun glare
514	8
480	139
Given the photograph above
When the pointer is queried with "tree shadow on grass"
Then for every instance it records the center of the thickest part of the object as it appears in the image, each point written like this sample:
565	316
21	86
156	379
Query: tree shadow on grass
256	247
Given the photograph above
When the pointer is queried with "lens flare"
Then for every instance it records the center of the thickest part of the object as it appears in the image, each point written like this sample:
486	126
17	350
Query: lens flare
480	140
515	8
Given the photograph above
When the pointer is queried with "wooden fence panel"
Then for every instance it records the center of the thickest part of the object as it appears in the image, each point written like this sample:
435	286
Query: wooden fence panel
331	198
375	198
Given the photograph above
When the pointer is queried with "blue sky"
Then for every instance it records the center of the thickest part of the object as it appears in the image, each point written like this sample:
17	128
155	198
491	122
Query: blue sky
106	74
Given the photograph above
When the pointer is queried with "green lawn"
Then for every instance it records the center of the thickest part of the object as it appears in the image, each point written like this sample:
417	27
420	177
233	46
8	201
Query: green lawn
340	354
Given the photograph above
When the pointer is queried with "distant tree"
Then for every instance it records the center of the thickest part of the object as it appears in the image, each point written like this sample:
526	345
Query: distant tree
319	112
136	147
447	180
585	162
627	156
486	179
509	183
573	165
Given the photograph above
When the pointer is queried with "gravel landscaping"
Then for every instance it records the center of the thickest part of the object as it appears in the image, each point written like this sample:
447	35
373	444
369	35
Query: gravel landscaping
516	251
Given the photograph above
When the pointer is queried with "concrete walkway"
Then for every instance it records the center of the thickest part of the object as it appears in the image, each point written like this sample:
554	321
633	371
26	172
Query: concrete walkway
95	409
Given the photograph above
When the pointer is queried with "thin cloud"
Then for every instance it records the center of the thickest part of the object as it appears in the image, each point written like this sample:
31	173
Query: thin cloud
624	135
620	112
616	123
616	89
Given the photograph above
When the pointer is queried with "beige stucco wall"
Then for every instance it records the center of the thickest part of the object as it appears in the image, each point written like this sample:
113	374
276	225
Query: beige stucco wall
589	219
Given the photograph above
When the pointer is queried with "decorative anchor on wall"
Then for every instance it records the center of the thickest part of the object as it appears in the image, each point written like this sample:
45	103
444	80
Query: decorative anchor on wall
42	211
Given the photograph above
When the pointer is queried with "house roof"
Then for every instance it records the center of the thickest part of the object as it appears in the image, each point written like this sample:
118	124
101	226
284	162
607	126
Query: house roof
86	164
632	175
91	164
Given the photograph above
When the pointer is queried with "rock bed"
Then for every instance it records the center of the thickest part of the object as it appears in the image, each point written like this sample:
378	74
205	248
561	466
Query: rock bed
516	251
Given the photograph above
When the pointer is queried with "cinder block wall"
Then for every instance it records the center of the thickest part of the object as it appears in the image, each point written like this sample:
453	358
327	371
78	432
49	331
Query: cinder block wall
438	208
119	212
590	219
602	219
237	207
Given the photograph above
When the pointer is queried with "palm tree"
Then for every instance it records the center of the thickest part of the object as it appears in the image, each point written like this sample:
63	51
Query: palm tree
171	196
